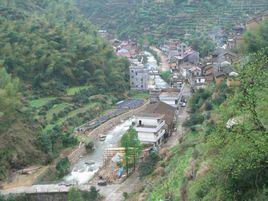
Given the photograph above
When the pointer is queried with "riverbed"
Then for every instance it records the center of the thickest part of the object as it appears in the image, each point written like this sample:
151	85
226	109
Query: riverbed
84	170
155	81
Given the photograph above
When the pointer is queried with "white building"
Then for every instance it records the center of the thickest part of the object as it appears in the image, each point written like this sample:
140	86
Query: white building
171	98
151	128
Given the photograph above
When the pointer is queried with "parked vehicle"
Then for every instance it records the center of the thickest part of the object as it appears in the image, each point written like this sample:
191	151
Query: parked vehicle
102	137
102	183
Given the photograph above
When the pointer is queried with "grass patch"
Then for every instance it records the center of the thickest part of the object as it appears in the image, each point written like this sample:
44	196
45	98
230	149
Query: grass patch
55	110
37	103
73	90
139	94
171	185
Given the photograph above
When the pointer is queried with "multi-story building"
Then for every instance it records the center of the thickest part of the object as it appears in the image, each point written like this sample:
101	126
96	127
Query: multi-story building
151	128
139	77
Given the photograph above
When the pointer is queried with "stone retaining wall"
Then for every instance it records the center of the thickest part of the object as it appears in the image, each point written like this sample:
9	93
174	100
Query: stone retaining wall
103	128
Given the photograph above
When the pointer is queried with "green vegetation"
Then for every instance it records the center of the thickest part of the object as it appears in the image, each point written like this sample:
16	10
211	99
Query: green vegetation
138	94
76	195
148	165
37	103
166	75
223	155
154	21
63	167
133	148
56	73
256	39
14	198
203	44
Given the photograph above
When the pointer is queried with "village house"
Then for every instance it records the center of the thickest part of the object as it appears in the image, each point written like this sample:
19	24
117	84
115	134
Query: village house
231	57
139	76
196	78
154	95
151	128
176	80
170	96
232	80
155	123
184	69
208	72
222	72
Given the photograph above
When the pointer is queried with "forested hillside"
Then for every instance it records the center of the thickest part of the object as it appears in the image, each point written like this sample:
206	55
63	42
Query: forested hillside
160	19
55	74
223	155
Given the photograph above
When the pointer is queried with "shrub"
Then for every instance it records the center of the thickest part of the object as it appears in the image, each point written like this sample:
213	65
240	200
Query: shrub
147	167
63	167
193	120
208	106
89	146
92	195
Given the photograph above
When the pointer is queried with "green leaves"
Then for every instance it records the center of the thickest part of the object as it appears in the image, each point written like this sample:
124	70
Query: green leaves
55	47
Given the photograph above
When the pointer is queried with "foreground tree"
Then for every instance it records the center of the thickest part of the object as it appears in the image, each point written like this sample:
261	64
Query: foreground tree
133	148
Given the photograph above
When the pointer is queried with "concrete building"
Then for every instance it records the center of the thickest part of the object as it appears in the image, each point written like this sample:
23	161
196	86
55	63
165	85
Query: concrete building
170	97
151	128
139	77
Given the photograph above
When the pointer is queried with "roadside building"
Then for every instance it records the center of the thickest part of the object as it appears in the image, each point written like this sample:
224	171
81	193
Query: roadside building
139	77
208	72
169	112
170	97
150	127
155	123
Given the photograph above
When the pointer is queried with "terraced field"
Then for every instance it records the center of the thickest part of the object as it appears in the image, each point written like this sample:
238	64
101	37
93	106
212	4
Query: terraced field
155	19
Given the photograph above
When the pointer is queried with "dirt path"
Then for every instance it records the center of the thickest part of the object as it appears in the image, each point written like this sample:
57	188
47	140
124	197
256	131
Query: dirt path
164	65
115	192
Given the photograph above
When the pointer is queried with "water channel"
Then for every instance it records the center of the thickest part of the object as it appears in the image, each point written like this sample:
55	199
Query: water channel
84	170
155	81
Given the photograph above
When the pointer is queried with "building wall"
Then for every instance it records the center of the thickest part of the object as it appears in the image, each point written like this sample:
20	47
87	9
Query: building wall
147	121
139	78
219	80
146	137
172	101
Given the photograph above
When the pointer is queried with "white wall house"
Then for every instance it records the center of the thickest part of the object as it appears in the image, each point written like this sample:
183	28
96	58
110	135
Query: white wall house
150	127
170	98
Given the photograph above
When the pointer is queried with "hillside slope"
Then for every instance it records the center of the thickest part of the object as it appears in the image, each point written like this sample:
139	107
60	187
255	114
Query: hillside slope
56	73
159	19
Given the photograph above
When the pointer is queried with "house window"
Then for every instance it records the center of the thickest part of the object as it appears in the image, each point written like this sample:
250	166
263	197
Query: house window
176	102
136	73
132	71
140	122
141	79
141	86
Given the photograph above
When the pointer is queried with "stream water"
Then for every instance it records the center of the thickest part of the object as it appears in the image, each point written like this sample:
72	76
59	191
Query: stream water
155	81
84	170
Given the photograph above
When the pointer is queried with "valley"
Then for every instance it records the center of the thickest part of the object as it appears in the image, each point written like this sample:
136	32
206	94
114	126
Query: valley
133	100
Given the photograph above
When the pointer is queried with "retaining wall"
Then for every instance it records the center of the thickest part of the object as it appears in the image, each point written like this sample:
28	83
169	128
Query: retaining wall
103	128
